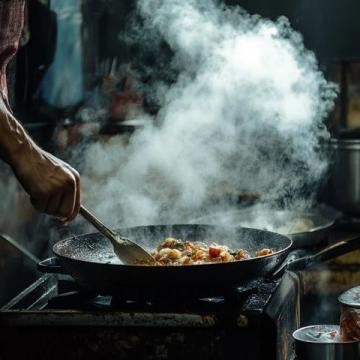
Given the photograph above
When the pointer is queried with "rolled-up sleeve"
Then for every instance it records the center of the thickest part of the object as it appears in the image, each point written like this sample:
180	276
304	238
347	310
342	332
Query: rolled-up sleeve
11	23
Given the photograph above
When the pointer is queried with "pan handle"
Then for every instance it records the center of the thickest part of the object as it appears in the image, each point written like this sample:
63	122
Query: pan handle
331	252
51	266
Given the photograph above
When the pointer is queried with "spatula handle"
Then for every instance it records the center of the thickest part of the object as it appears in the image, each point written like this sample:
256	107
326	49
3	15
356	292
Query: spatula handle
96	222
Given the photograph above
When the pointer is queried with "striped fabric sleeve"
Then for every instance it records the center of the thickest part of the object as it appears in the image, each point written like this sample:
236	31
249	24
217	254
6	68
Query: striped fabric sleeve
11	23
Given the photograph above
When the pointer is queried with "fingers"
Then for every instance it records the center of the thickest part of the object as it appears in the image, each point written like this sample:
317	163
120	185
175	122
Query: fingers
39	203
67	205
77	197
53	205
53	186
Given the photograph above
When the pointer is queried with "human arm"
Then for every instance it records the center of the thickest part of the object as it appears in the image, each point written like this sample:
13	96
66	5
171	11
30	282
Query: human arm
53	185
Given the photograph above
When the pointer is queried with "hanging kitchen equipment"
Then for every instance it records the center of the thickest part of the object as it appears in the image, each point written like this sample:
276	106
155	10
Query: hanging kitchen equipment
343	189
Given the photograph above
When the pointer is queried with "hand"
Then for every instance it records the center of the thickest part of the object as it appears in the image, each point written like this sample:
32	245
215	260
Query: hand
53	185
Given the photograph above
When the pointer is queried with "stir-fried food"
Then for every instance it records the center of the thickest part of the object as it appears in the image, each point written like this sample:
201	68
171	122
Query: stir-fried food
177	252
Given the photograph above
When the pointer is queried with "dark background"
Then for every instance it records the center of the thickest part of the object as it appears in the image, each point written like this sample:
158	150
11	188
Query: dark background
330	28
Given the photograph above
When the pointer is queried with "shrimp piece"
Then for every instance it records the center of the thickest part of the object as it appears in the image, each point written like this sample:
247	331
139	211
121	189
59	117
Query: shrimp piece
199	255
241	254
167	243
185	260
226	256
189	246
164	252
174	254
263	252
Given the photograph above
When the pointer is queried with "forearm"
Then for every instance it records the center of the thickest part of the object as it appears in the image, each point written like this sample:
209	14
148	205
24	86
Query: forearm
53	186
14	141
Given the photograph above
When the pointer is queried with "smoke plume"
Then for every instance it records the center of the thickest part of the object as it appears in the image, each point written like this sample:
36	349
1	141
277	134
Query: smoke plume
245	112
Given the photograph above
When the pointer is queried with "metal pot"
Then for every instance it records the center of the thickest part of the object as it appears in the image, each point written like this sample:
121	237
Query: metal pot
322	342
344	186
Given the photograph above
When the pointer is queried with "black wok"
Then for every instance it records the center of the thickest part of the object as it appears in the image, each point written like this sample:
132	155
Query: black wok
317	222
90	260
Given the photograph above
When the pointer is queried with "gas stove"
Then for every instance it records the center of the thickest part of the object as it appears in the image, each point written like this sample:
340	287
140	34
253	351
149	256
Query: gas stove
54	318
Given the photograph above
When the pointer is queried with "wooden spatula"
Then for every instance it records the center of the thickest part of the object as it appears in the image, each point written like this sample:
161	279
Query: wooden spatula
126	250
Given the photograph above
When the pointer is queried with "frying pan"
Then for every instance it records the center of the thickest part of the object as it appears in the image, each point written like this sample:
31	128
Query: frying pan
90	260
321	219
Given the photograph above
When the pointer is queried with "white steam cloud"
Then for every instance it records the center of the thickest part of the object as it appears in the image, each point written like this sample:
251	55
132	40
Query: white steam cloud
245	113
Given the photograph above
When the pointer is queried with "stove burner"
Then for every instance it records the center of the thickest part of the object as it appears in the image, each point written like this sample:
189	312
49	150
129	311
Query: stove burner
255	318
251	298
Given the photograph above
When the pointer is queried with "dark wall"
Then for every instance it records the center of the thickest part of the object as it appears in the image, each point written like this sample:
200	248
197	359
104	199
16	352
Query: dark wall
330	27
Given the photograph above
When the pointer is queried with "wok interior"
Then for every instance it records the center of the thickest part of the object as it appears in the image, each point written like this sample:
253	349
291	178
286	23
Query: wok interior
96	248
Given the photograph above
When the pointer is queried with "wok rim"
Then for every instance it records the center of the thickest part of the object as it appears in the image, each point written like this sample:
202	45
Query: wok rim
327	221
192	266
327	224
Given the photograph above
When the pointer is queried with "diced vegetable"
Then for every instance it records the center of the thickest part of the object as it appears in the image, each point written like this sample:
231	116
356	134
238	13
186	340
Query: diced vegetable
214	251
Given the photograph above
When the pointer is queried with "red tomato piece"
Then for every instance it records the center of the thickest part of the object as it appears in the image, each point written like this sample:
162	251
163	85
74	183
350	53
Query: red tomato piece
214	251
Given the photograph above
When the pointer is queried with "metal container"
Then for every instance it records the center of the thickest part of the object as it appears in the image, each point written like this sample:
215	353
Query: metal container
344	185
323	342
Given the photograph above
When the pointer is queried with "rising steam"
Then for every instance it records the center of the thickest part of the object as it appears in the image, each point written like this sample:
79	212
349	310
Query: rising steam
246	112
